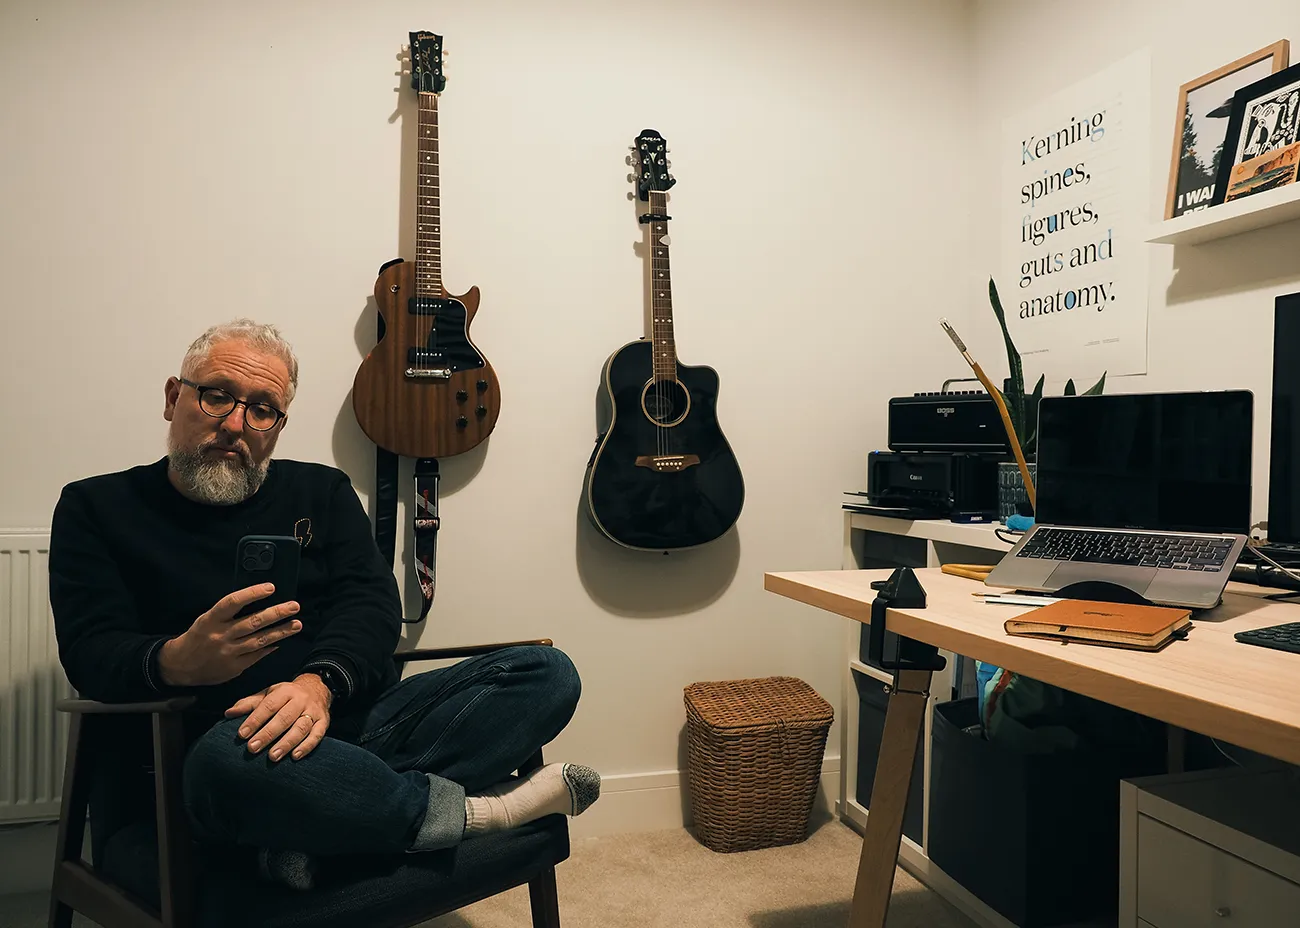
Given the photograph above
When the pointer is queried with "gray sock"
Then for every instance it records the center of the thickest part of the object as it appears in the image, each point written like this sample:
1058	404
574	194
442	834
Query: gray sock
288	868
565	789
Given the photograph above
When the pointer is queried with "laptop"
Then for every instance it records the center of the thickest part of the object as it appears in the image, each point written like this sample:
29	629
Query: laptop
1149	492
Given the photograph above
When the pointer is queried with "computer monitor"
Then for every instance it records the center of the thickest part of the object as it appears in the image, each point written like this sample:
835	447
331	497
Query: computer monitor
1284	438
1160	461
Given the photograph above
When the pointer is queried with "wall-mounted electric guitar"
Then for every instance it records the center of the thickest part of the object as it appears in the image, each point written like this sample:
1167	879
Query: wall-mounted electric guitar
662	475
425	391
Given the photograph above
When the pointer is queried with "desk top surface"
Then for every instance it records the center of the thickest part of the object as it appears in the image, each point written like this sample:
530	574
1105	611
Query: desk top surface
1211	683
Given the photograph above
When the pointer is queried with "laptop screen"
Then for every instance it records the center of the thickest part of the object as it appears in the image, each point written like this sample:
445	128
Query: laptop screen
1172	461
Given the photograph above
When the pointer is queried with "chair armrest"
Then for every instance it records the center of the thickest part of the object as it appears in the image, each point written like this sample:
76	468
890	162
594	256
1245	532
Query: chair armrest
90	707
469	650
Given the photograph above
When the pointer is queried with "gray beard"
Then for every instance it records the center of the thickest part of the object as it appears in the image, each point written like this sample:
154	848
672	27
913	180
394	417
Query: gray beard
220	482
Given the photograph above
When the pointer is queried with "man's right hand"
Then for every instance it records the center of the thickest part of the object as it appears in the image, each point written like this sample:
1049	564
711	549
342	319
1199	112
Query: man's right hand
218	647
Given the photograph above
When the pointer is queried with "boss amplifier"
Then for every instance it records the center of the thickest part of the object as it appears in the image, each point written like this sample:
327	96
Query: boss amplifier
934	485
967	421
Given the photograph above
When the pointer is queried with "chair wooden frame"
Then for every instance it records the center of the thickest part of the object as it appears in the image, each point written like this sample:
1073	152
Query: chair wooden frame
78	887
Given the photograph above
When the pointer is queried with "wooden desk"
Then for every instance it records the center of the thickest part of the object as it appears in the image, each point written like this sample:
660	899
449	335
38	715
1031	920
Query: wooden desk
1209	683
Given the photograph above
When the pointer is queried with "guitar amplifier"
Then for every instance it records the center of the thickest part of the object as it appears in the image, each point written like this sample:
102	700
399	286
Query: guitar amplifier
934	485
966	421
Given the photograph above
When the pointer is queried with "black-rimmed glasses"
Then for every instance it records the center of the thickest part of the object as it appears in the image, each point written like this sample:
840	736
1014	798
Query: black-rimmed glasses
218	404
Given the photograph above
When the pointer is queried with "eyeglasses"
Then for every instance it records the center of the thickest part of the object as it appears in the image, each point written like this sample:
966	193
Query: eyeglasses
218	404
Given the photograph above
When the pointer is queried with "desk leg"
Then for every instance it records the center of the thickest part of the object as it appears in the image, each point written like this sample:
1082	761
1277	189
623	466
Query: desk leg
904	720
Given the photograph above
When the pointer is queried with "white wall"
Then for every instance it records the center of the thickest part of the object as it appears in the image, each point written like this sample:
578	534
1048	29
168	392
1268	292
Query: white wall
1211	306
169	165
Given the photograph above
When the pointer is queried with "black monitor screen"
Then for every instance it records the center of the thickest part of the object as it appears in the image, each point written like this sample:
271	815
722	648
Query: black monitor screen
1172	461
1284	445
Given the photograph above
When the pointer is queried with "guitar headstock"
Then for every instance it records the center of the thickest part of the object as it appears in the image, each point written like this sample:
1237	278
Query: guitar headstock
426	62
650	158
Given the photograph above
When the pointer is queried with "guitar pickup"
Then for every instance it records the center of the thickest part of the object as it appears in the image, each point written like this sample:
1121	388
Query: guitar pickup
428	305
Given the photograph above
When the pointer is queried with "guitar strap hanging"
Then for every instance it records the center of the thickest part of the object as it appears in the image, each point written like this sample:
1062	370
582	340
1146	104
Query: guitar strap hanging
425	520
424	516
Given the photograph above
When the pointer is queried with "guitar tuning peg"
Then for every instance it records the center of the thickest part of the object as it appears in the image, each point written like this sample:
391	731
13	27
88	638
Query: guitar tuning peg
631	178
669	162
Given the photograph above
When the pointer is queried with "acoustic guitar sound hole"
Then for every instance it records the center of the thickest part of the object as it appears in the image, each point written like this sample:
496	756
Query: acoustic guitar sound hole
665	402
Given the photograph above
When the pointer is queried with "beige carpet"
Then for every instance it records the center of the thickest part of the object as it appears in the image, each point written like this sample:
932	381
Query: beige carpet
666	879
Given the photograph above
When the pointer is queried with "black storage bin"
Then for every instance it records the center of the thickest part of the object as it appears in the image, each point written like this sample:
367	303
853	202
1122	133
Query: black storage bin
872	704
1035	836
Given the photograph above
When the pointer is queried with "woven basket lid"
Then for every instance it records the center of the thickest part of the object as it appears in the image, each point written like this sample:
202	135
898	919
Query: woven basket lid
738	704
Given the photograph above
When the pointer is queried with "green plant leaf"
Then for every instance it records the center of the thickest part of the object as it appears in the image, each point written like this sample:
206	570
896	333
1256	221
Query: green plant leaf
1096	388
1014	394
1069	388
1029	440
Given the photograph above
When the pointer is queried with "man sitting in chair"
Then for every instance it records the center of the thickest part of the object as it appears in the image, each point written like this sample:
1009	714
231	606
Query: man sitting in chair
303	740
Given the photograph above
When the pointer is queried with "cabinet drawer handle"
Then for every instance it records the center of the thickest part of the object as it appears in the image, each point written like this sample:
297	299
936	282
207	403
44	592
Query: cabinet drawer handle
1223	911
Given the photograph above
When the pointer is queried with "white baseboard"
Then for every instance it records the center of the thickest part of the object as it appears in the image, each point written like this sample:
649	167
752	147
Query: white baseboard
632	802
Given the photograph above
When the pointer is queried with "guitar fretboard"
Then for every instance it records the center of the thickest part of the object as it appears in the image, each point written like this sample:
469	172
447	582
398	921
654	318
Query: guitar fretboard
428	227
661	296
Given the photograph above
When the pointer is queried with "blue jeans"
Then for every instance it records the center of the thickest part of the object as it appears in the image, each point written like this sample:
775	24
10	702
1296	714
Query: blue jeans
469	726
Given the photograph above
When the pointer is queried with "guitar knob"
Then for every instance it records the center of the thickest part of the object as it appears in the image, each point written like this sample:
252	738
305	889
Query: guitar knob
481	412
482	386
462	396
461	422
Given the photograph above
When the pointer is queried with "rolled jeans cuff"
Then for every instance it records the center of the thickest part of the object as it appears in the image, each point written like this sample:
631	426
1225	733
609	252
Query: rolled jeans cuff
444	819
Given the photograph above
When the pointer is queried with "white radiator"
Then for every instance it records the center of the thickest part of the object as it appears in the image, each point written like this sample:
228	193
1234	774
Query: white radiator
33	737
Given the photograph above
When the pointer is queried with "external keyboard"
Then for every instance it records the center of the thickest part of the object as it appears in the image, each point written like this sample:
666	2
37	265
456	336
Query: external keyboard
1283	637
1130	549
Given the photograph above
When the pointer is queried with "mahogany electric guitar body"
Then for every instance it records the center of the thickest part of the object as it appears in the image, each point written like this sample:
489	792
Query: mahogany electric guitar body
430	416
425	390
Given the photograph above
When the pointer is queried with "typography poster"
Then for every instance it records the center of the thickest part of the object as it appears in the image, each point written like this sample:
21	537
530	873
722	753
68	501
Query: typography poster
1074	204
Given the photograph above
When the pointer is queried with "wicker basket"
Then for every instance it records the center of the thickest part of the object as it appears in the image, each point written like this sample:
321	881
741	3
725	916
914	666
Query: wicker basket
755	756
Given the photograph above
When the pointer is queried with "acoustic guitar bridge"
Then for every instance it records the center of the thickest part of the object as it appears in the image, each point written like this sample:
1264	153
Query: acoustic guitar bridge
667	463
653	217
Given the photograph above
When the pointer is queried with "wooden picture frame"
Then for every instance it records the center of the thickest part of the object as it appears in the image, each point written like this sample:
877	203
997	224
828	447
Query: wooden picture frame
1194	196
1262	148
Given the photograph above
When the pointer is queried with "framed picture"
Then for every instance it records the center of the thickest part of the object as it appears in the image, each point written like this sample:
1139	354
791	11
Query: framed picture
1262	147
1201	125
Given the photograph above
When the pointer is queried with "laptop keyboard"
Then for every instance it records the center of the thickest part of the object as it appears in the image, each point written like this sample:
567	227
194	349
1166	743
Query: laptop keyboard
1129	549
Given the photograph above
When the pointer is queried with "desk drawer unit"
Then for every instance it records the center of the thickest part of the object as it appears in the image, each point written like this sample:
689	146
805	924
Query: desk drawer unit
1185	883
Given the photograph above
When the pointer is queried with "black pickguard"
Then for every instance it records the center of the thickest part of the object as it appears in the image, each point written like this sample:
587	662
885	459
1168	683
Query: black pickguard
643	508
448	340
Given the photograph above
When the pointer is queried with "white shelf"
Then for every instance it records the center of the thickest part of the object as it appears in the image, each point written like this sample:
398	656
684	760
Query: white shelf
972	535
1254	212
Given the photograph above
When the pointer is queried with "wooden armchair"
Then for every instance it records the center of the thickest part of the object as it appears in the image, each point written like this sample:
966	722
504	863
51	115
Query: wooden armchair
154	877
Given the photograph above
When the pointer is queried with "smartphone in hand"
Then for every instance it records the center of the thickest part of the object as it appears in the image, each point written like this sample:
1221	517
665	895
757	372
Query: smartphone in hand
267	559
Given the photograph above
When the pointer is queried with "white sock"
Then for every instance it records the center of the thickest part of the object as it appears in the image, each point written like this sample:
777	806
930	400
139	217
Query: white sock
566	789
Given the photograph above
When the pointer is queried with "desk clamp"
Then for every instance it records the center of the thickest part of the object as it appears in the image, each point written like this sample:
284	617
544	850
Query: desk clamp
901	591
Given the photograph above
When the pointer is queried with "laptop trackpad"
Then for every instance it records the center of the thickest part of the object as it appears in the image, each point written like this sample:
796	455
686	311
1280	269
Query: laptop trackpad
1137	579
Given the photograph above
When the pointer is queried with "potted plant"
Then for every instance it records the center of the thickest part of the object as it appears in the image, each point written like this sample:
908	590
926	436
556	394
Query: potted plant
1023	409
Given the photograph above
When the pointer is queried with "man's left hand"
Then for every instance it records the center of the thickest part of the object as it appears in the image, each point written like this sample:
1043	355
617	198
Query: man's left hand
296	713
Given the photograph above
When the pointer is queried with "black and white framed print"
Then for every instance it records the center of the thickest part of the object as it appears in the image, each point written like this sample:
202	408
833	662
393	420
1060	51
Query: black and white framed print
1262	148
1201	123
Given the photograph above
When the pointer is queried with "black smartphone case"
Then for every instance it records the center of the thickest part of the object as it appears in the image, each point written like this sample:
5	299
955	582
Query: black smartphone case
267	559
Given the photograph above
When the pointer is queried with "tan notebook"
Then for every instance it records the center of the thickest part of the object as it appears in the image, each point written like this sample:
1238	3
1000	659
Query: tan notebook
1143	628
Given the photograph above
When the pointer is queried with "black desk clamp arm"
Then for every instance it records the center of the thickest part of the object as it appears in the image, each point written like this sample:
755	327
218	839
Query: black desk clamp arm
901	591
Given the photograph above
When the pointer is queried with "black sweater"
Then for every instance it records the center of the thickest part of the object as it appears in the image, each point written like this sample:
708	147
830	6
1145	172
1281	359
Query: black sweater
133	563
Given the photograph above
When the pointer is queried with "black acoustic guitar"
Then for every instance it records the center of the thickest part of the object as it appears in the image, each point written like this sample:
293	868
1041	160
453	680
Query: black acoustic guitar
662	475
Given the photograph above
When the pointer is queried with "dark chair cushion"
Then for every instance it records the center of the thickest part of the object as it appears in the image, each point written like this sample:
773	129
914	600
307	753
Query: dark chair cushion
378	892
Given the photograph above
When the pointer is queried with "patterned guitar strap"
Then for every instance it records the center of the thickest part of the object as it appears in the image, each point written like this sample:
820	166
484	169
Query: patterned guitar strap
424	516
